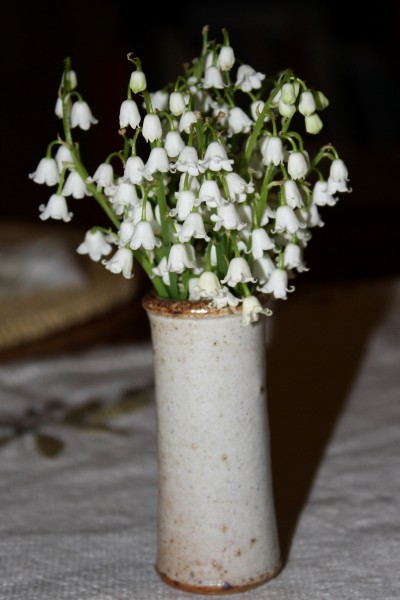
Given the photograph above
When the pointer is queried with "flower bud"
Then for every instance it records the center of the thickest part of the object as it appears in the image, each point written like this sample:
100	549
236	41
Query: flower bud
307	105
226	58
288	95
313	123
138	82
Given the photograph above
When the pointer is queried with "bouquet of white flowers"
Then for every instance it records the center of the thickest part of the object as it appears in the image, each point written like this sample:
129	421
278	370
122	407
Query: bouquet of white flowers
221	204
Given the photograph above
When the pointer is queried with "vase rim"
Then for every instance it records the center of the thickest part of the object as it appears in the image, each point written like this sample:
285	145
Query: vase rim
188	309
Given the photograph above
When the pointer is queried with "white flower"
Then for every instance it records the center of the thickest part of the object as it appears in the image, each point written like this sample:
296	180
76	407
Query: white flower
216	158
188	162
321	100
205	286
137	82
181	257
143	237
185	200
129	114
186	121
224	298
252	309
313	123
193	226
277	285
56	209
286	110
226	58
292	194
75	186
177	104
121	262
95	245
311	216
297	165
161	271
286	220
293	258
338	177
151	128
307	105
260	241
227	216
63	157
272	151
288	93
59	109
159	100
321	195
238	187
193	182
104	175
71	79
173	144
248	79
126	230
210	194
124	195
238	272
81	115
46	172
157	161
213	78
256	109
135	170
238	121
263	267
220	112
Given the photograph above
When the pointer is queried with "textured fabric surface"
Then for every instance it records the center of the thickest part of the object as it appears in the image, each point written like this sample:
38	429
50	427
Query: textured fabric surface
82	525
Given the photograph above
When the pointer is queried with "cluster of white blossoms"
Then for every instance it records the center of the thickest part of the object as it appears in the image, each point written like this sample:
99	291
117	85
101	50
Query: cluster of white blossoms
221	204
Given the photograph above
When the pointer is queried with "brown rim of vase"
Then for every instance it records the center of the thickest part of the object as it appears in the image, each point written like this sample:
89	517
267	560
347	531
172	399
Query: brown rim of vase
190	309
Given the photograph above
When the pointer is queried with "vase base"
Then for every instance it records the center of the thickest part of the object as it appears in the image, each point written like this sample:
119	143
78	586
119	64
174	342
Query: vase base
223	587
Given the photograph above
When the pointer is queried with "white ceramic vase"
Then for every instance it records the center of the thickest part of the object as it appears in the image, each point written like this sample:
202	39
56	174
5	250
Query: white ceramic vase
216	518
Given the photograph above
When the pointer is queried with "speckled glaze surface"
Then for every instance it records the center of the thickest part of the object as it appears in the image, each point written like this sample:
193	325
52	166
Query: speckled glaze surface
216	524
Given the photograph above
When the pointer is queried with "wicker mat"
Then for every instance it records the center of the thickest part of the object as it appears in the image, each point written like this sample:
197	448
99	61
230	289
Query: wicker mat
80	290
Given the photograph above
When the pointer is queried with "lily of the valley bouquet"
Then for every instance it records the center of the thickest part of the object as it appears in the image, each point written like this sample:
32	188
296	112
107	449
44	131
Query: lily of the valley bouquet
221	203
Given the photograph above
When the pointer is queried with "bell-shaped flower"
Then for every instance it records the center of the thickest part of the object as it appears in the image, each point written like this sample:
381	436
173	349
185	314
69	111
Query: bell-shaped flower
238	121
104	175
277	285
321	195
173	144
129	114
313	123
187	120
159	100
321	100
121	262
125	232
288	93
227	216
188	162
185	200
272	151
81	115
307	105
226	58
188	182
338	177
292	194
286	110
59	108
143	237
193	226
210	194
267	215
151	128
263	267
181	257
238	272
95	245
137	82
124	196
293	257
252	309
161	271
238	187
248	79
63	157
56	208
208	287
177	104
216	158
286	220
311	216
157	161
137	213
260	241
135	170
297	165
256	109
75	186
71	79
213	78
220	113
46	172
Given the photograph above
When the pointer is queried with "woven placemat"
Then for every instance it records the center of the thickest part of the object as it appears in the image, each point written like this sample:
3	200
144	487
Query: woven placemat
27	316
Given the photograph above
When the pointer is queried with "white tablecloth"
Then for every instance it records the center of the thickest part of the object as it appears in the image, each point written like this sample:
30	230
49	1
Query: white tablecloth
82	525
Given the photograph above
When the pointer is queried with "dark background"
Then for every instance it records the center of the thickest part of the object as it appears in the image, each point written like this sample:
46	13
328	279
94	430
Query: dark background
350	57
